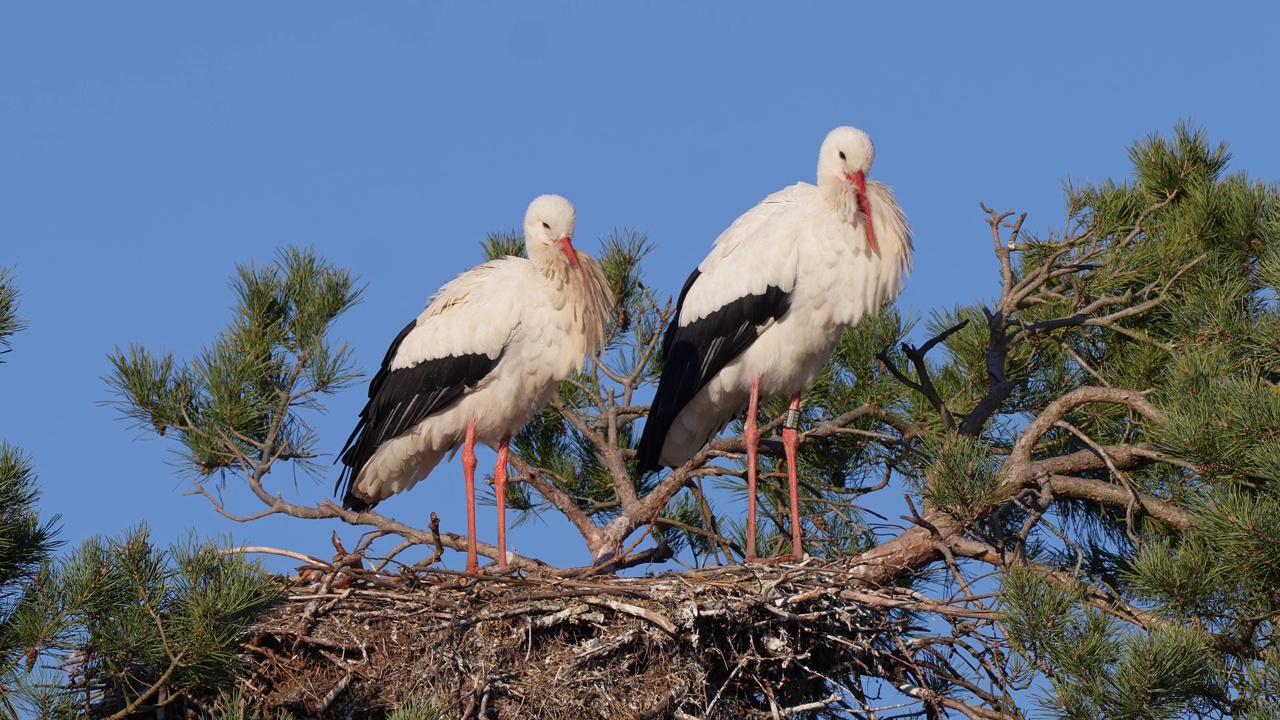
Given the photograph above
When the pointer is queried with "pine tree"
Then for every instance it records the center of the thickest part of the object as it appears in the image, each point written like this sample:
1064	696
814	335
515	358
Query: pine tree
26	541
1058	501
116	626
1153	592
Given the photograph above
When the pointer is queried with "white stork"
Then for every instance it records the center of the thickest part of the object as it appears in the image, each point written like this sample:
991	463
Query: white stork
487	353
763	312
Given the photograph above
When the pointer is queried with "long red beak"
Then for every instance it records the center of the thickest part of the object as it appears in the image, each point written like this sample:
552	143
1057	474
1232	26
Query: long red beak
864	206
567	243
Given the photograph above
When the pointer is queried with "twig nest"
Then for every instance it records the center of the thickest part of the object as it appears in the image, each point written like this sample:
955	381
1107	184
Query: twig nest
702	643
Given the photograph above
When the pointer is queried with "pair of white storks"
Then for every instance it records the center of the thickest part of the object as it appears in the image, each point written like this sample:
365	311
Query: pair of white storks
759	317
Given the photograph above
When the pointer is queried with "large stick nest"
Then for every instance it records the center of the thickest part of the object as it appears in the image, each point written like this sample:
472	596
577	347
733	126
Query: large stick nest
735	642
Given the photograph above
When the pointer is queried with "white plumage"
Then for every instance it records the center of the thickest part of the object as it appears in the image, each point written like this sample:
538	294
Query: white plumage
487	353
762	313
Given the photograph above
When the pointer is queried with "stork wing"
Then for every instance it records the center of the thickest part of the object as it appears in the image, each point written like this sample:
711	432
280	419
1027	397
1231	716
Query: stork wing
743	286
445	352
756	252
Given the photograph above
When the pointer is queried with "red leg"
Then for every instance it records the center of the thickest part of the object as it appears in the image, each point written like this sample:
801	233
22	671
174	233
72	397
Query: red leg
790	439
469	472
500	496
751	435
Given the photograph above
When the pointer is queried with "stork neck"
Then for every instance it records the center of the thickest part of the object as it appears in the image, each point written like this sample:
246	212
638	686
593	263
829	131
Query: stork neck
842	199
553	267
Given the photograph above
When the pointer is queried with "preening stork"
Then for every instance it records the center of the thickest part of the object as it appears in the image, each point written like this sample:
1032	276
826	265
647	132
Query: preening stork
488	352
761	315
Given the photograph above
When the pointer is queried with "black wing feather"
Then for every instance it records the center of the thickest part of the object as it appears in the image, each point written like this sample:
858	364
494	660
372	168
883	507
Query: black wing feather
694	353
400	399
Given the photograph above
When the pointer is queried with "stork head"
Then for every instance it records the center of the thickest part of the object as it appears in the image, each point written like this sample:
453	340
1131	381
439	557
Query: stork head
548	230
843	164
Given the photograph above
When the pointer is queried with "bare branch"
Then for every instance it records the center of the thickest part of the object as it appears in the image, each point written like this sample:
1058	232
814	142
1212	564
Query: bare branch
560	500
1002	249
276	551
925	386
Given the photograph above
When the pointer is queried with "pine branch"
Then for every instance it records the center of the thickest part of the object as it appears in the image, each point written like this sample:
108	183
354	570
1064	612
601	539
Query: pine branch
150	692
1018	295
10	321
1056	410
607	450
916	547
1078	488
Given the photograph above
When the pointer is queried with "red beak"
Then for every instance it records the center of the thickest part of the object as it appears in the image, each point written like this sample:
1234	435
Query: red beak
864	206
567	243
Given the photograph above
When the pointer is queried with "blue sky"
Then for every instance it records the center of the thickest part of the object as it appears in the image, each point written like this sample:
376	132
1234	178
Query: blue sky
145	149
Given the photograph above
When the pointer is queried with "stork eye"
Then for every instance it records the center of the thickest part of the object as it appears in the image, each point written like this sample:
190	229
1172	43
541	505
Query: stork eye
546	226
842	157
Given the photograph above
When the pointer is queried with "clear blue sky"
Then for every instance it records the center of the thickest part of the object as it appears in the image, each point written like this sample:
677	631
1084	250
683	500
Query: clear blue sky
147	148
